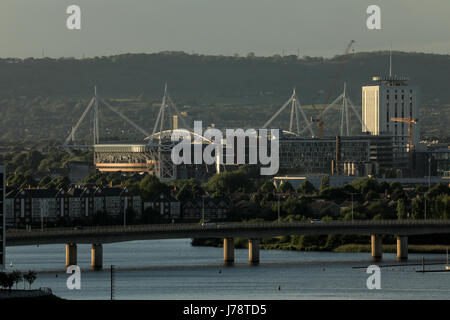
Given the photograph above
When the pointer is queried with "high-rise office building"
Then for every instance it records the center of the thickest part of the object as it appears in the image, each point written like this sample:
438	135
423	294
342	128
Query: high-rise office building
392	97
2	218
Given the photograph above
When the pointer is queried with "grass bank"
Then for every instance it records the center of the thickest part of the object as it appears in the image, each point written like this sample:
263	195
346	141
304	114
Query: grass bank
392	248
300	244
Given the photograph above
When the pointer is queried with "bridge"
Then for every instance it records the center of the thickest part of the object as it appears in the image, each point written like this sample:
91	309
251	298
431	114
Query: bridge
97	236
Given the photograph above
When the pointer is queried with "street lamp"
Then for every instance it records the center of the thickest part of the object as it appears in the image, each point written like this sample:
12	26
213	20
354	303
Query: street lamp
429	184
429	172
352	193
203	209
278	221
279	195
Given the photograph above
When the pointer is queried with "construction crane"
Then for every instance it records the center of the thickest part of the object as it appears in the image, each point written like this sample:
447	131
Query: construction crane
320	124
410	122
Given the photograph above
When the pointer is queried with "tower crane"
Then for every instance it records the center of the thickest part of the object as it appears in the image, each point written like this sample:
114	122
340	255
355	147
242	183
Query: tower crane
410	122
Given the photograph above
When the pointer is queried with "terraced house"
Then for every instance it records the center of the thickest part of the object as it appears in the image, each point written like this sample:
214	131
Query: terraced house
27	206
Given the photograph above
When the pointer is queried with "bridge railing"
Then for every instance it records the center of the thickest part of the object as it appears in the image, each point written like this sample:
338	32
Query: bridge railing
225	225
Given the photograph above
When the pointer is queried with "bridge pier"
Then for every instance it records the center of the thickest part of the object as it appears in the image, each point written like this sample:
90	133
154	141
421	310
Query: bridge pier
402	247
253	251
71	254
97	256
377	247
228	250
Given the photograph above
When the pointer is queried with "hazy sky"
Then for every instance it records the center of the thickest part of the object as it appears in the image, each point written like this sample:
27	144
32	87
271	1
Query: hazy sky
266	27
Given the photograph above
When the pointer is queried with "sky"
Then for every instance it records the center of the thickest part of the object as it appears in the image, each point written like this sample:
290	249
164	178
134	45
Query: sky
33	28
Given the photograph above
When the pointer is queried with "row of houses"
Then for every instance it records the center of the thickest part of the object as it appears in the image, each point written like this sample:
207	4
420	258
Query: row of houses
26	206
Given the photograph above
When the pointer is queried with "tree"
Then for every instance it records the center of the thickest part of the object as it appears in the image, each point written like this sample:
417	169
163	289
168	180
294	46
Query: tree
150	215
45	181
401	209
417	208
285	187
100	218
294	206
3	279
130	215
16	277
150	186
267	187
325	182
306	187
30	277
7	280
438	189
225	183
190	189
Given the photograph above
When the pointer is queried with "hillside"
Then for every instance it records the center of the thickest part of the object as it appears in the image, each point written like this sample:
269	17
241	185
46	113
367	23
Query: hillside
226	79
50	94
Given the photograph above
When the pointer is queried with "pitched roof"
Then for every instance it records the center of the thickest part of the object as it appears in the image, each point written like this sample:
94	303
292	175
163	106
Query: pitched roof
109	192
166	196
11	193
40	193
75	192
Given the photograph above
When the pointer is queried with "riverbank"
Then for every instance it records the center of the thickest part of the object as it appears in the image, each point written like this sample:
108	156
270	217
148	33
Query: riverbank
39	294
298	245
392	248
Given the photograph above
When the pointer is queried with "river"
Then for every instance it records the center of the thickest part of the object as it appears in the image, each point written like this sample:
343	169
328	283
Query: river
173	269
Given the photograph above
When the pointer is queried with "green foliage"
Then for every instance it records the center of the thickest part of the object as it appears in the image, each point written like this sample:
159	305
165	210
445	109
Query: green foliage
190	189
293	206
285	187
365	185
6	280
16	277
150	187
150	215
30	277
438	189
356	216
225	183
333	193
401	209
417	208
325	182
379	208
306	187
267	187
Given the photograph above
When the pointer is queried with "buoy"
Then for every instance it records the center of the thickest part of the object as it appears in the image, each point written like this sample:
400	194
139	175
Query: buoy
279	288
220	271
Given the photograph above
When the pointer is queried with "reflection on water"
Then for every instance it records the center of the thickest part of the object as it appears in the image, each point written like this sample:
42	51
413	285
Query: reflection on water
173	269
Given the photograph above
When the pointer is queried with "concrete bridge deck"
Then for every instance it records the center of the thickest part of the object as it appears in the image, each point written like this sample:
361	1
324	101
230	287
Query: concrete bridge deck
258	230
253	231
